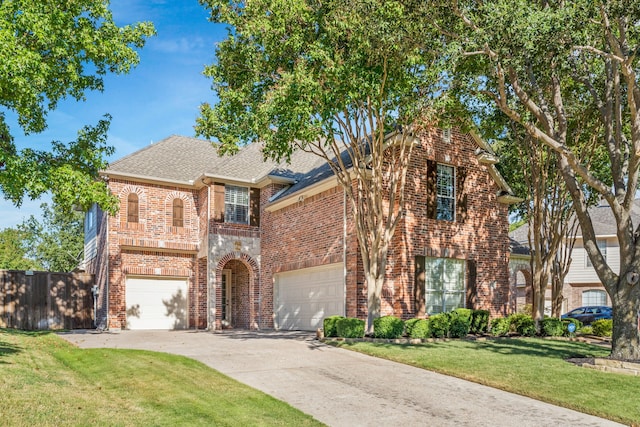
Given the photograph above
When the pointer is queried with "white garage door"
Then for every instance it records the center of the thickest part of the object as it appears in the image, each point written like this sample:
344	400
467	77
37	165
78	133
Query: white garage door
303	298
156	303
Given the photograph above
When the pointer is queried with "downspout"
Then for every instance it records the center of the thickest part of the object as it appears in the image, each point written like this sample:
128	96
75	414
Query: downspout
208	250
344	254
106	295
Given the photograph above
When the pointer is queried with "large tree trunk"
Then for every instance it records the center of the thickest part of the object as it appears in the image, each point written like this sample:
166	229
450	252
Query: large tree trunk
374	299
626	322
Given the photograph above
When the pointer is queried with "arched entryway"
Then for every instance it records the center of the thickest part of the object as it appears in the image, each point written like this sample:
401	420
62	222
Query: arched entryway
233	295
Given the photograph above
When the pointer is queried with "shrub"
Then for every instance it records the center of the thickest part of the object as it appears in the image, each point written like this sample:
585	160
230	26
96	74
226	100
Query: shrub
523	324
459	322
500	326
409	324
329	326
420	329
388	327
567	321
350	327
602	327
439	325
552	327
479	321
586	330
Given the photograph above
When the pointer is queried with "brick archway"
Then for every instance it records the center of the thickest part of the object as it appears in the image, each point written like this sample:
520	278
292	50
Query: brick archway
236	292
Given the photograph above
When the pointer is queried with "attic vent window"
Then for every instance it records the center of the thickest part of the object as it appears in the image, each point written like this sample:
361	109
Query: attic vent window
446	135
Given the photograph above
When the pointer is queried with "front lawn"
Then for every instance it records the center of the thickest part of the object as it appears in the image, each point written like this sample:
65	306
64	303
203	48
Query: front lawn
528	366
46	381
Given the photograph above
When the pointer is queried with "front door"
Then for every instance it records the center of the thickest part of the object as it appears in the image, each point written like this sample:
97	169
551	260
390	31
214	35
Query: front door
226	298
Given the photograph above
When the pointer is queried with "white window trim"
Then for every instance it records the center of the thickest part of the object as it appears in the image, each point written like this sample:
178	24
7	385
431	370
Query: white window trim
462	292
248	205
453	192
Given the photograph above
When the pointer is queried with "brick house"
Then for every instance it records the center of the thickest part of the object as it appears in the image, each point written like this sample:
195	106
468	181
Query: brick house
582	285
203	241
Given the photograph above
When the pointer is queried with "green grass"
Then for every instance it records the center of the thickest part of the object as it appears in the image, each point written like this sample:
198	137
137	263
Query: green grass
528	366
46	381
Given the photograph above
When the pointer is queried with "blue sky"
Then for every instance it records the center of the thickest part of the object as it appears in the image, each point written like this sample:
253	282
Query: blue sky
159	98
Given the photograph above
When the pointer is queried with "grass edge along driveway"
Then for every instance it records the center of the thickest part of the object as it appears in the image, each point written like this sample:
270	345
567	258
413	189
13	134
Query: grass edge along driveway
531	367
46	381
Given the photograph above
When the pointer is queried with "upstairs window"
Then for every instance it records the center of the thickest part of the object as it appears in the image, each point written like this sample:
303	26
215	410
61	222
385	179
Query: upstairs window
178	213
132	208
602	245
445	193
236	204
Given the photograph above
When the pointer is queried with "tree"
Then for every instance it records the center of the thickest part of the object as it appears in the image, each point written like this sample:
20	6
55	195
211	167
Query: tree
549	215
344	80
56	242
560	70
50	50
13	251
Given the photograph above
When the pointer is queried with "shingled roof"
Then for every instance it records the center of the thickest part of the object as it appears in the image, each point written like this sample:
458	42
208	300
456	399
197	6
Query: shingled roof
183	160
604	224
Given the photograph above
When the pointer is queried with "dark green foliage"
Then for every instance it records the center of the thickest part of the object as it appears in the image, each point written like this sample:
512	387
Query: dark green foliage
439	325
409	324
388	327
329	326
420	329
602	327
459	322
350	327
500	326
552	327
479	321
523	324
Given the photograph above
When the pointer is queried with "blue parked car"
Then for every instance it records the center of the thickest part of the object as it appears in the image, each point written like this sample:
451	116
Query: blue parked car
589	314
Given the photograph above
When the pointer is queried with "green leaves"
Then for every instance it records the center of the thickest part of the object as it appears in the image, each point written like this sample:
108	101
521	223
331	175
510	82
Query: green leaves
50	50
293	71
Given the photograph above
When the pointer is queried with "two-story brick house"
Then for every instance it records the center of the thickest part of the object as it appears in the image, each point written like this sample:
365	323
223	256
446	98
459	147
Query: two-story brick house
203	241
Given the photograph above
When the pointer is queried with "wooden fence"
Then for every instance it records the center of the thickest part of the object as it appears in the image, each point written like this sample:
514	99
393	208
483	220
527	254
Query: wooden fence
41	300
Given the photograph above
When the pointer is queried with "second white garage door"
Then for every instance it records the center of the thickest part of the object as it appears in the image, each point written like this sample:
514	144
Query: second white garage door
156	303
303	298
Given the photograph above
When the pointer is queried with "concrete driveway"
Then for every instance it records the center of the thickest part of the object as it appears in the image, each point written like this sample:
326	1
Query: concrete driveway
340	387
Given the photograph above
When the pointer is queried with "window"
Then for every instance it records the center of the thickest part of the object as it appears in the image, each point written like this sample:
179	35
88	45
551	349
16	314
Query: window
444	285
594	297
132	208
90	219
178	213
236	204
602	245
445	193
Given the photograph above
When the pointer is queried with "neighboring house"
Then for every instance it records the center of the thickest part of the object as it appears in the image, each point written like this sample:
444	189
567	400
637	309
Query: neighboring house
203	241
582	285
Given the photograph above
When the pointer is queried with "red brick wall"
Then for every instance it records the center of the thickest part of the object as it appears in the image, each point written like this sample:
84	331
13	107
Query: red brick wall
153	247
310	233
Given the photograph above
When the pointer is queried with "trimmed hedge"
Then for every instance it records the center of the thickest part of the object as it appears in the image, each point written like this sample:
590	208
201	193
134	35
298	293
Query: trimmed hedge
523	324
500	326
602	327
389	327
552	327
350	327
439	325
420	329
479	322
329	326
409	324
459	322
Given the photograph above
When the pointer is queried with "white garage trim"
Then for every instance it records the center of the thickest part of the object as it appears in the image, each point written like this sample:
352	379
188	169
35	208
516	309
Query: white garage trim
157	303
303	298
